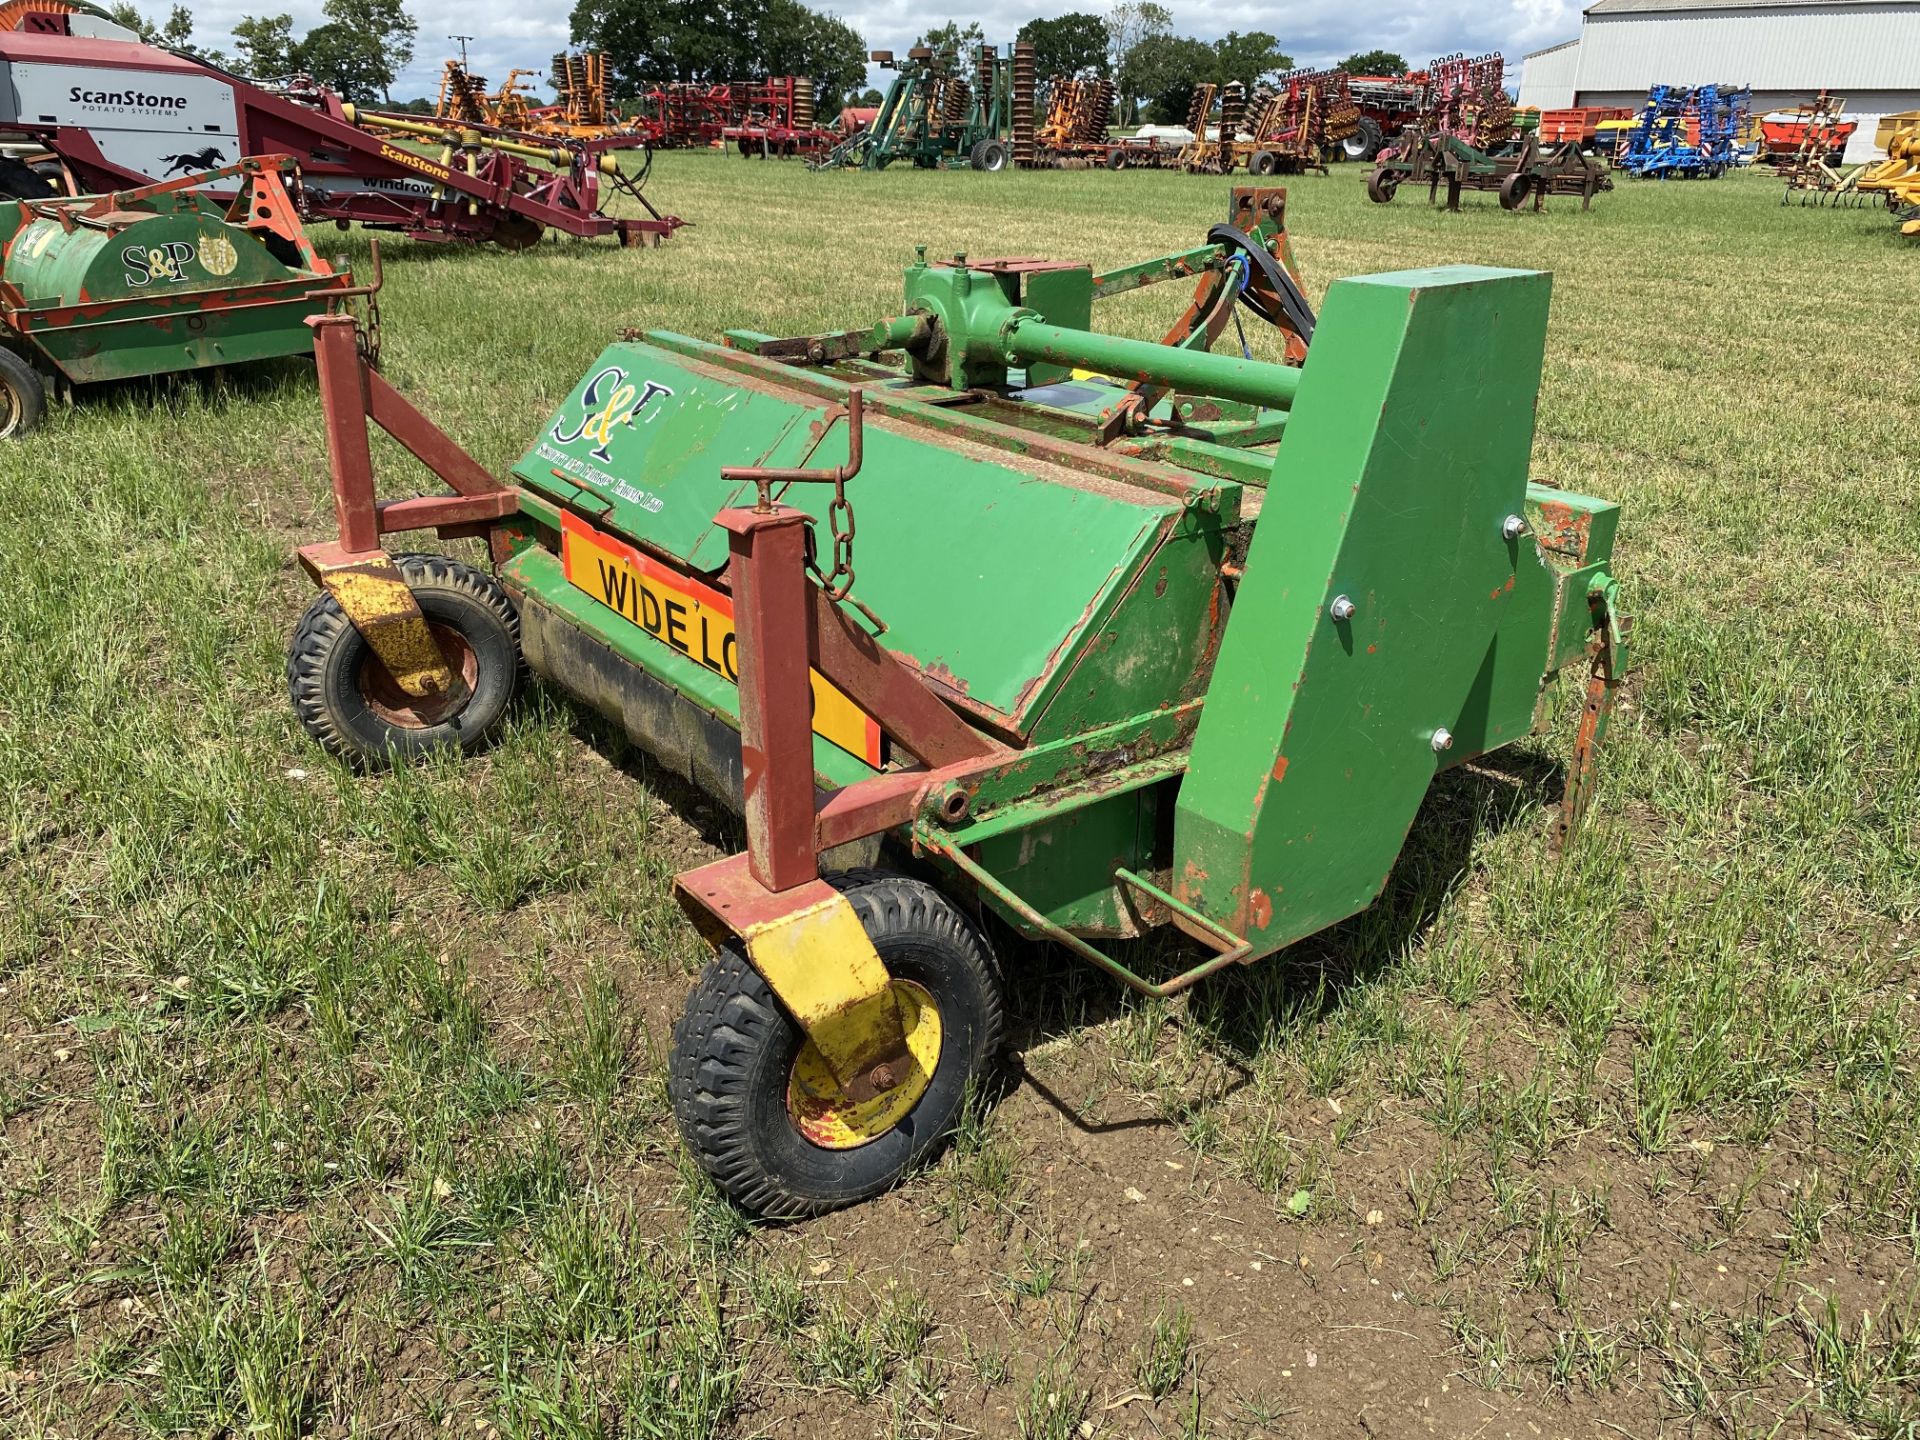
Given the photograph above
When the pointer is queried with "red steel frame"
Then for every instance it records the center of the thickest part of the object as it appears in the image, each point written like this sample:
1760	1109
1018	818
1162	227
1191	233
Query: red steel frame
476	195
784	620
352	393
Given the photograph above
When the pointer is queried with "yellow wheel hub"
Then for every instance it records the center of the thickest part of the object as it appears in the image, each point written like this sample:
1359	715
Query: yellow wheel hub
827	1116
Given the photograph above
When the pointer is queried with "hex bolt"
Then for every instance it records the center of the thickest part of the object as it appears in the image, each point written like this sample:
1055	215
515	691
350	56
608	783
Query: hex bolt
881	1077
1513	527
1342	608
1442	739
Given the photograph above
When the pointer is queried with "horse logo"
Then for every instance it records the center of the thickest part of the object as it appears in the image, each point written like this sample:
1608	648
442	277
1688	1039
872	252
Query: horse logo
199	160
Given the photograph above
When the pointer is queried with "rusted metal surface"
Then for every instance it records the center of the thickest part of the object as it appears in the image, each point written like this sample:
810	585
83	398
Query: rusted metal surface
1607	669
767	572
371	590
886	688
343	403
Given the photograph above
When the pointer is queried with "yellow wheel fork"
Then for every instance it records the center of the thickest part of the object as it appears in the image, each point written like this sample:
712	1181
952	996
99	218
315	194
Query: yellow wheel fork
873	1042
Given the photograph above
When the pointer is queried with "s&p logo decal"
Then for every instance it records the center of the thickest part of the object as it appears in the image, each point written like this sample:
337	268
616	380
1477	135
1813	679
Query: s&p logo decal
147	263
608	401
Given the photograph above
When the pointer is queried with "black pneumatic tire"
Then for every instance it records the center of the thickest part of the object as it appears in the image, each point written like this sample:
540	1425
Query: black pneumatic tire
23	395
20	181
1365	142
734	1051
345	699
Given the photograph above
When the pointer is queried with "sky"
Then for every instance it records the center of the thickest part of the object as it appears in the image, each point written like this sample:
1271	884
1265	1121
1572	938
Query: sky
507	34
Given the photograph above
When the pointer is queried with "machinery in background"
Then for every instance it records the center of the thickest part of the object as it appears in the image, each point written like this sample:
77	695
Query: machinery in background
160	279
1686	133
1896	179
1298	124
1469	137
1807	147
119	113
944	111
1818	130
778	120
1131	636
1521	171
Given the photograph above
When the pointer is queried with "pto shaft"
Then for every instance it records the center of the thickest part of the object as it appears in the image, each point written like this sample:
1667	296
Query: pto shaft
1191	372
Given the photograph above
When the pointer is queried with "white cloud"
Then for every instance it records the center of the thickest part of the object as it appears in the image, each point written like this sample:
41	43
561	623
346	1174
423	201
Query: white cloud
1312	31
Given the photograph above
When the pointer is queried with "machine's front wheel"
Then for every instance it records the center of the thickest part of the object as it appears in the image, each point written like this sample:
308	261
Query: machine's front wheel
23	395
1381	184
759	1109
1515	189
348	701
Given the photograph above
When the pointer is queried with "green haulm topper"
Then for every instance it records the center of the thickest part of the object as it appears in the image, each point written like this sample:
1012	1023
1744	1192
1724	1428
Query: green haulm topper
976	608
158	279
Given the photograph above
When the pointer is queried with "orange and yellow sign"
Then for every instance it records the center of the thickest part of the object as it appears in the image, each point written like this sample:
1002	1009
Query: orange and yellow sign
694	619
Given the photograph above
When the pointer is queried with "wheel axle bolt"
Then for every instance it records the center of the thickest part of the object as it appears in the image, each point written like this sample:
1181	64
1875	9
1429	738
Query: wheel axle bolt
882	1077
1342	608
1442	739
1513	527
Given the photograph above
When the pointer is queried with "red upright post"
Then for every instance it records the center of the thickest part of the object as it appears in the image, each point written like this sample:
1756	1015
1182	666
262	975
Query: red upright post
770	611
343	400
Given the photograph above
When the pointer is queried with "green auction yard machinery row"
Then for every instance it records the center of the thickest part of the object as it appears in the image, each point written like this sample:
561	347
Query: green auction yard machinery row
1097	634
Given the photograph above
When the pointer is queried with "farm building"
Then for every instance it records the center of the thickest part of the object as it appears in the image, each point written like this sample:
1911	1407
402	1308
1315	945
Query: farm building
1862	50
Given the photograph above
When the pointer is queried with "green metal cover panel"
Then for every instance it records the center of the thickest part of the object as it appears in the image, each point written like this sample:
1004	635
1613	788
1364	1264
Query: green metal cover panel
991	569
183	251
1407	447
177	289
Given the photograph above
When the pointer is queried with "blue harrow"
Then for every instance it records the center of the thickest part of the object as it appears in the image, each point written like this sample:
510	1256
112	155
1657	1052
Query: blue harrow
1686	132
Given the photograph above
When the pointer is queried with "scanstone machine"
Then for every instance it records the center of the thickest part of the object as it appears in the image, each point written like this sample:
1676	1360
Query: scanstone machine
975	608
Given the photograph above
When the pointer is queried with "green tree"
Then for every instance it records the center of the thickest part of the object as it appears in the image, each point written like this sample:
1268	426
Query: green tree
343	60
953	37
175	33
1248	58
1374	62
1130	24
871	96
647	42
790	39
1166	70
266	45
1074	44
385	32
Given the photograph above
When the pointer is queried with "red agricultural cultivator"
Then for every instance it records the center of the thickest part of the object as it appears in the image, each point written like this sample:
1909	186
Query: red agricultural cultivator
118	113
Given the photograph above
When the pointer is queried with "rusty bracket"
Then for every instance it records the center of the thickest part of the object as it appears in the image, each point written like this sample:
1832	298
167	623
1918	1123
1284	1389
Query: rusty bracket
1607	667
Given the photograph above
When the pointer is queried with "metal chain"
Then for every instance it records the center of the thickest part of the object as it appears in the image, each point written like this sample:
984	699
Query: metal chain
840	521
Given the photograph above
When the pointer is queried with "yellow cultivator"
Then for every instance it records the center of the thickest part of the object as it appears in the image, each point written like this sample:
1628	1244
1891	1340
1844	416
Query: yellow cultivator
1897	178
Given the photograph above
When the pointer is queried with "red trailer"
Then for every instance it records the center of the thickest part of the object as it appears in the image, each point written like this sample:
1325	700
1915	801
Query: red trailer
1579	123
119	113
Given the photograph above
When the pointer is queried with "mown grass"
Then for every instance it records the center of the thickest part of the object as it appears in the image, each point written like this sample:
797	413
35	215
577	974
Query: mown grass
335	1105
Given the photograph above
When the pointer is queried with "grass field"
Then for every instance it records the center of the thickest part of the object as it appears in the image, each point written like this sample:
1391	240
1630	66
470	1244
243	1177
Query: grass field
337	1106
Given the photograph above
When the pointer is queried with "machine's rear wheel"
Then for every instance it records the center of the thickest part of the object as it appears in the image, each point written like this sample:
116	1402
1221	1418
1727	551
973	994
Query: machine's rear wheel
758	1108
1365	141
1262	162
1116	159
348	701
1381	184
23	395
